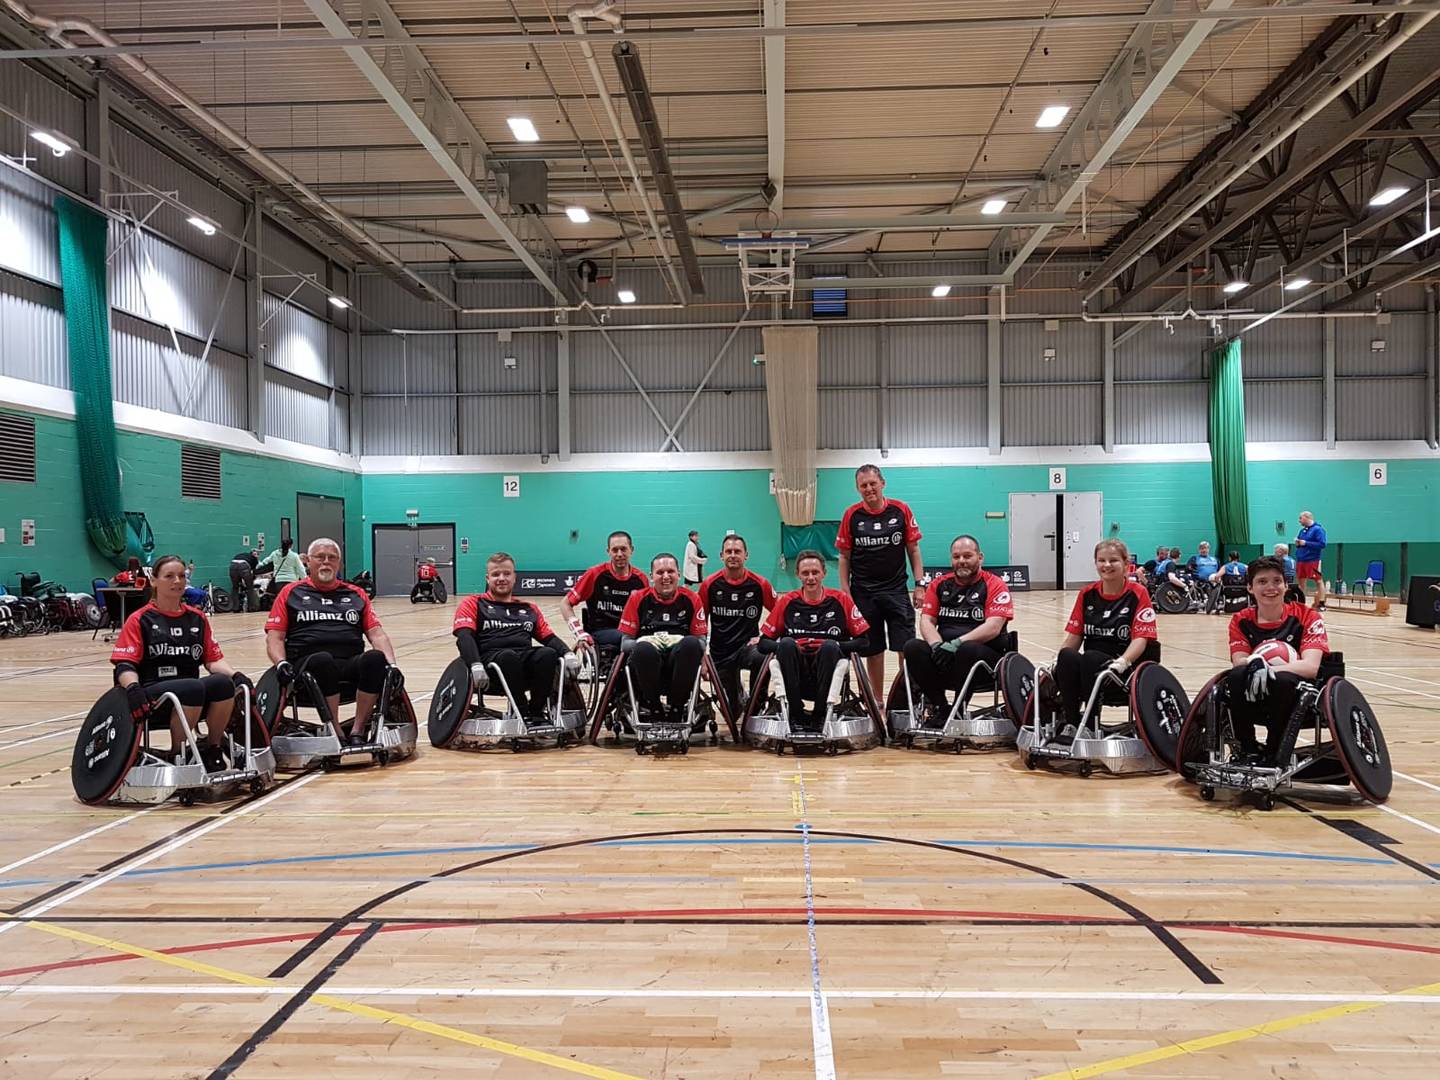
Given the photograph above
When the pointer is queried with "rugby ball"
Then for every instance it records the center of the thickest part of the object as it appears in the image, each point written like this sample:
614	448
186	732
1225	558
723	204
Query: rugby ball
1275	652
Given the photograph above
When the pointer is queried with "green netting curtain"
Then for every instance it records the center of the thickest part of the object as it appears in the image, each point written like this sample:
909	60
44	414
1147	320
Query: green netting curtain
1227	446
83	235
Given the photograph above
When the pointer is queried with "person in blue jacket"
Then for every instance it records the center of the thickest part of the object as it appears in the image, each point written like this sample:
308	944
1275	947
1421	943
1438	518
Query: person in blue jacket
1309	544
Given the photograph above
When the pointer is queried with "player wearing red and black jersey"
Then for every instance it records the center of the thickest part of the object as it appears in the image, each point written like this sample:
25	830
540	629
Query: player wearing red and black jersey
426	574
1264	692
963	615
877	537
325	622
808	631
1109	628
667	626
734	599
604	590
498	628
161	649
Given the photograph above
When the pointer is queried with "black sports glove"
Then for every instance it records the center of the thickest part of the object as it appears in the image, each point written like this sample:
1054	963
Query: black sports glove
284	673
241	679
397	678
138	701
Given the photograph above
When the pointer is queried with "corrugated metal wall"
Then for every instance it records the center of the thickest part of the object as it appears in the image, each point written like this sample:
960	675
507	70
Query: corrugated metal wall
295	341
148	372
32	331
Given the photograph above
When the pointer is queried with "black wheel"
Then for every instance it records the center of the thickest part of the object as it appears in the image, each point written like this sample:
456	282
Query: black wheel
439	594
1192	747
1031	761
220	601
1171	599
187	798
1267	802
449	703
1358	739
1159	705
257	786
1086	768
1016	676
105	748
1207	792
382	758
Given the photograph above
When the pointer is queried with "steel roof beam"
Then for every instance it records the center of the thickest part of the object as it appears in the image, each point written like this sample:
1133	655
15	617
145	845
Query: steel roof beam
774	49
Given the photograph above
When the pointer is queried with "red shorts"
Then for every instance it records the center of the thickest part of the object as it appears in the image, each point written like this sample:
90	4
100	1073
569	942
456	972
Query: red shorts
1306	570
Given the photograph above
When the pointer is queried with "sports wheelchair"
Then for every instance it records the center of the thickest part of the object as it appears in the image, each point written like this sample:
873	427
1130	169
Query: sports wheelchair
912	719
114	761
1144	741
851	721
300	741
431	591
461	720
1345	747
1184	599
618	710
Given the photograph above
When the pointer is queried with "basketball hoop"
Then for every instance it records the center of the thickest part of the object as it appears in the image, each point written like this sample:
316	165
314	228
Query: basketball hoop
767	261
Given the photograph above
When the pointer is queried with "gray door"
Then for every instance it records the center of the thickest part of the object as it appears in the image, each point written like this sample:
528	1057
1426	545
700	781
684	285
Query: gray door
321	515
400	548
1083	525
1032	517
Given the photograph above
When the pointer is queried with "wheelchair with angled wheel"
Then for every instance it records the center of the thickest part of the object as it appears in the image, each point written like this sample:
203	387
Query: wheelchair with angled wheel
115	761
1331	742
954	725
845	716
620	715
462	719
431	590
301	739
1186	599
1144	741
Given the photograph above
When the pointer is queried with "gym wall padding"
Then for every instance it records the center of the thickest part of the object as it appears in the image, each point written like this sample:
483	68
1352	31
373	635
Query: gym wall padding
1228	475
258	491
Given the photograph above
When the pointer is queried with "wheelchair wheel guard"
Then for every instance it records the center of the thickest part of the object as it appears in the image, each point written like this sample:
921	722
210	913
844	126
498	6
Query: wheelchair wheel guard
1159	705
1358	739
105	749
1016	676
1192	747
450	703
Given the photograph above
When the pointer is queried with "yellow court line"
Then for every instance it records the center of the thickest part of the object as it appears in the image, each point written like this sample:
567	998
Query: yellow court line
385	1016
1225	1038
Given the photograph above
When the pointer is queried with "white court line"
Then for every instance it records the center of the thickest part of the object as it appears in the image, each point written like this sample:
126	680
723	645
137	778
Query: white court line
52	720
1048	996
1388	686
1417	780
76	839
1406	817
38	738
819	1007
151	856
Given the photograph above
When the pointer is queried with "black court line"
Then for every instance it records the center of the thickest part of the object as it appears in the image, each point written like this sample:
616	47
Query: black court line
1156	928
1364	834
292	1005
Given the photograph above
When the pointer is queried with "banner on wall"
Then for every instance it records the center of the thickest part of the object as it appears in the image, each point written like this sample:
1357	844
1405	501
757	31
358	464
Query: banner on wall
546	582
1017	577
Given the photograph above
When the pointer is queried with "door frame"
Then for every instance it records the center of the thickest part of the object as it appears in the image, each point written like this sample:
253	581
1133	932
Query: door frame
375	530
344	517
1061	583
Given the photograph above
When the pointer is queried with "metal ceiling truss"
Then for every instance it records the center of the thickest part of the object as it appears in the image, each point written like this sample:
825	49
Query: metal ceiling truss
1294	185
417	95
1151	53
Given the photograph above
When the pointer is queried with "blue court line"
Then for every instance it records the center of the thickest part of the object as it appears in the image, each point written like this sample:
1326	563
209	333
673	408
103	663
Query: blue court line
716	841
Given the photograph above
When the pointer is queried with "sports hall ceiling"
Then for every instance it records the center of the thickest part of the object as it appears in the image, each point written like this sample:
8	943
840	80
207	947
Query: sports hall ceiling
859	115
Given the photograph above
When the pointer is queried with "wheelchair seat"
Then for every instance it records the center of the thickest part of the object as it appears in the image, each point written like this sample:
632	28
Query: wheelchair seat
853	722
113	760
300	741
617	710
461	719
954	726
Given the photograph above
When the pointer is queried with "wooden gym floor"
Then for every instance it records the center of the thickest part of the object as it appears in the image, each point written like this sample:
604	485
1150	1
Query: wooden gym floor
727	914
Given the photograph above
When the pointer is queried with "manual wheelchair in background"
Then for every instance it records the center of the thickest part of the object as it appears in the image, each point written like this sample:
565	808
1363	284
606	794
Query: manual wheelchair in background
461	719
944	725
114	761
430	590
301	740
1344	745
617	710
852	721
1172	599
1145	741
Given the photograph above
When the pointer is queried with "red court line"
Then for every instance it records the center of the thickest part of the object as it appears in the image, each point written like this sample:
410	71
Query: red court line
592	916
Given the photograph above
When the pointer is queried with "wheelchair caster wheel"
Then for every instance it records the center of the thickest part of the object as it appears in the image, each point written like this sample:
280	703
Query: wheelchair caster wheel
1086	768
1031	761
187	798
1207	792
382	758
1267	802
257	786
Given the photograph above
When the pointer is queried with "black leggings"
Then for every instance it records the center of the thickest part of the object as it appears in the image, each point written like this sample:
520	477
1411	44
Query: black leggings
674	670
242	578
1075	675
366	672
747	659
530	674
806	674
1273	710
935	670
194	693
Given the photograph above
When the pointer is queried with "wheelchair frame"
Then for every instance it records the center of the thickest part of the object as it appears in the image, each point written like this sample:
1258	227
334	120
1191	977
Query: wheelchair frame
772	731
662	737
1116	751
992	726
484	728
323	741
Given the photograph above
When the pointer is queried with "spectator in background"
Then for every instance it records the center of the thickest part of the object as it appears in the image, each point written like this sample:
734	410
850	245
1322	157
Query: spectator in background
1309	544
1282	552
286	565
1233	568
694	561
242	577
1203	565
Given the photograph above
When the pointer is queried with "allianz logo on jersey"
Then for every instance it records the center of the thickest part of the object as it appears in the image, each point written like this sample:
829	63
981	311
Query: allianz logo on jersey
751	612
158	650
350	615
493	623
974	613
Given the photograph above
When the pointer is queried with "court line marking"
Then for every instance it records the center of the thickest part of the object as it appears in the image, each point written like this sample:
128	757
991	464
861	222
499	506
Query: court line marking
1225	1038
329	1000
1406	817
819	1007
1417	780
77	839
522	992
37	723
38	738
162	850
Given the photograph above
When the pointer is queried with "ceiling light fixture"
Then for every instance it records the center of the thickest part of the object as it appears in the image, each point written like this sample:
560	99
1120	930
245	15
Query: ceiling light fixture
1052	115
1236	286
940	291
993	207
626	296
1297	283
339	302
57	145
577	214
204	226
1388	195
523	128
